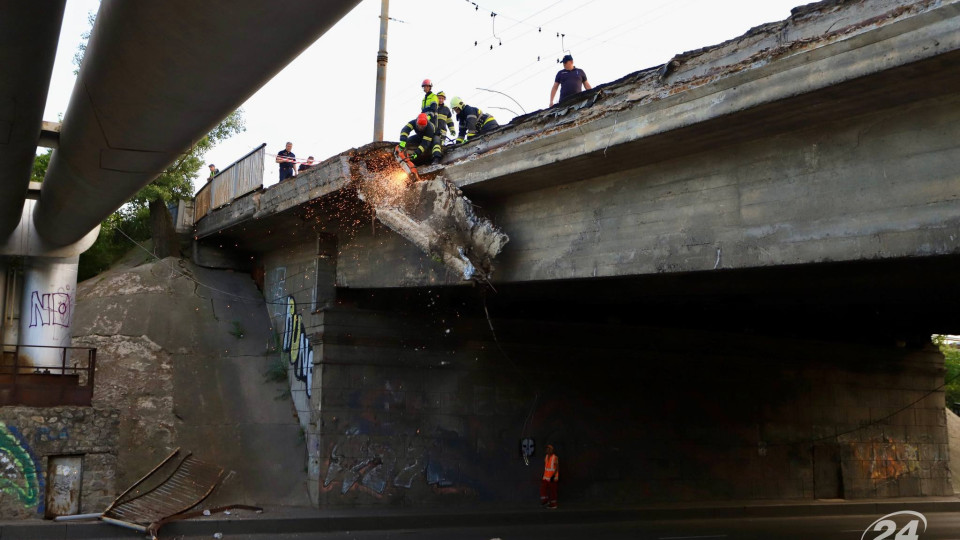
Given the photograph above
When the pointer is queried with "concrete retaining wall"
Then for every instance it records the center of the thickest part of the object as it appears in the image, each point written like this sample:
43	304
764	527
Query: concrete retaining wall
182	353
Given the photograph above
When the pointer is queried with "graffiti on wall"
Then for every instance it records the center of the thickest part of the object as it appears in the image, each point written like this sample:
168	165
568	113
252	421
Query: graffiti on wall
888	460
357	464
19	475
45	434
49	309
297	344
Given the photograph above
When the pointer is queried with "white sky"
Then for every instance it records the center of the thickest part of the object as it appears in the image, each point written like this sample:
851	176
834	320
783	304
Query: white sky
326	95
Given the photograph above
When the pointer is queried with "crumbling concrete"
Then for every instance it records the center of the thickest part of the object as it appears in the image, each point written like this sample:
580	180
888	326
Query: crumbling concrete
432	213
770	62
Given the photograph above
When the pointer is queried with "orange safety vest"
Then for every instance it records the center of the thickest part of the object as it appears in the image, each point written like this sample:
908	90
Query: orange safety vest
550	464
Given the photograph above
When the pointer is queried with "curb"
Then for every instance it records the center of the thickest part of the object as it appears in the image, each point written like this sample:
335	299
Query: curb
292	525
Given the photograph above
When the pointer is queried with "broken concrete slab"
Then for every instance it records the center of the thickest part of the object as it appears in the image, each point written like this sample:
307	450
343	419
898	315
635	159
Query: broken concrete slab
432	213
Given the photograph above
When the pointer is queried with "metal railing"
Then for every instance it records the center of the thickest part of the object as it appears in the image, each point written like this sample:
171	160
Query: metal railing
70	383
239	178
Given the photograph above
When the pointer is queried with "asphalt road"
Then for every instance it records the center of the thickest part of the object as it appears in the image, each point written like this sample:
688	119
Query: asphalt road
940	526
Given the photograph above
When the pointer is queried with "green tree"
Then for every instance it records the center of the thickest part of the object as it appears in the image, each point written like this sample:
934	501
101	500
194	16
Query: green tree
40	164
133	218
951	357
82	46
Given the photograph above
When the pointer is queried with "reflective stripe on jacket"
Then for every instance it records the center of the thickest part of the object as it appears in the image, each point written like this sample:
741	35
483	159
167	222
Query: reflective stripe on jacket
550	467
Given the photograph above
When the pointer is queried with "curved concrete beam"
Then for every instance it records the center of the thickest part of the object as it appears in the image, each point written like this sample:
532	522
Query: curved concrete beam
28	44
25	242
156	78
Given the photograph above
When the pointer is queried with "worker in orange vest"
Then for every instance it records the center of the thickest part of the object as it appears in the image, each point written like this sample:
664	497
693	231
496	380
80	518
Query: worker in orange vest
551	476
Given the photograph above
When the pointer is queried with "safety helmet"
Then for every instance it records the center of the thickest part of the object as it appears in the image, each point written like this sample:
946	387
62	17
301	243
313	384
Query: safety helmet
440	94
422	120
426	82
456	103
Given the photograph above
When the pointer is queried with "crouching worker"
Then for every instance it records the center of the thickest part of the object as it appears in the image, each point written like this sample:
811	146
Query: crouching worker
423	146
472	120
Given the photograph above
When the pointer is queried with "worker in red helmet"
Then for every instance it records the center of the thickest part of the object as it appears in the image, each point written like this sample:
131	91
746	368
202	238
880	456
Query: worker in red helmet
423	139
429	104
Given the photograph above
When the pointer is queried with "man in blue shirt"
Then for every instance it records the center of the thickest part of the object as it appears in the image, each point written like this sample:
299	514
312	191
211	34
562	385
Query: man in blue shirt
286	159
569	80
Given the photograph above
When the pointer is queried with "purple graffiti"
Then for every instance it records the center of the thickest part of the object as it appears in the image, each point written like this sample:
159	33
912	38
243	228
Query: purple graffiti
49	309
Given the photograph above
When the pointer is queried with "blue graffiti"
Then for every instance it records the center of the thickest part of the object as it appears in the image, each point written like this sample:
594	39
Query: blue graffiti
296	342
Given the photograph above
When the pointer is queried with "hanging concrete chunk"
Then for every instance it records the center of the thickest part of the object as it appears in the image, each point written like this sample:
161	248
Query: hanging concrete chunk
433	214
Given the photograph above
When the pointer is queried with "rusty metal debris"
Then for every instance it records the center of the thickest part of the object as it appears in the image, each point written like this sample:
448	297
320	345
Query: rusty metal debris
164	494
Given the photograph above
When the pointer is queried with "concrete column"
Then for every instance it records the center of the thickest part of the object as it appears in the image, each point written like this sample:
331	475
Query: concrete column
49	297
4	301
381	96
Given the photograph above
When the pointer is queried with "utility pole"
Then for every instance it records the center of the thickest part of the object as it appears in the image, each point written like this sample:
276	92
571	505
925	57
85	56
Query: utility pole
381	73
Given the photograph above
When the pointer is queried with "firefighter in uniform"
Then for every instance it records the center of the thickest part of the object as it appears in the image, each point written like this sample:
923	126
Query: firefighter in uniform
472	120
423	140
429	104
445	118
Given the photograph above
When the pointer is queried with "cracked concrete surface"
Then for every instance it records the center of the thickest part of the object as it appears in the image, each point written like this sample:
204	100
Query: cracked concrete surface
170	359
433	214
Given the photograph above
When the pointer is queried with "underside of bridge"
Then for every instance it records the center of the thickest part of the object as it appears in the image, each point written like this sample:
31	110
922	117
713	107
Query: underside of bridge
721	281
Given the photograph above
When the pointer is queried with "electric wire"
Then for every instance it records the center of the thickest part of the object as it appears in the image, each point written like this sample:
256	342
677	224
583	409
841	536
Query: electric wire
526	68
470	63
238	297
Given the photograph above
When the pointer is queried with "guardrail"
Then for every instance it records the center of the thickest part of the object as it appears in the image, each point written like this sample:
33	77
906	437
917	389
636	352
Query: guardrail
239	178
70	383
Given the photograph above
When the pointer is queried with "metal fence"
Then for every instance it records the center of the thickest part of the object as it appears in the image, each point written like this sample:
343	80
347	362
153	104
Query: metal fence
70	383
239	178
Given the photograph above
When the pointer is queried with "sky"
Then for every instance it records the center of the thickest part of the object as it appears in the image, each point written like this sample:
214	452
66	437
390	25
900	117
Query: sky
328	91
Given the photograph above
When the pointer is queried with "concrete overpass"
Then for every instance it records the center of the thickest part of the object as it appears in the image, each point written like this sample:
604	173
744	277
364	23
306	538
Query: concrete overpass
156	77
785	146
721	280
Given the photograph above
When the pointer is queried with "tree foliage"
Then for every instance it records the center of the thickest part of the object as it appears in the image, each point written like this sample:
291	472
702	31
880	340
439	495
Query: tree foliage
176	182
951	356
133	218
82	46
40	164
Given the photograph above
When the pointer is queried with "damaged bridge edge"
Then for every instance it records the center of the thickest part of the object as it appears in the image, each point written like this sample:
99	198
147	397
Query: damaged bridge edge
641	104
328	177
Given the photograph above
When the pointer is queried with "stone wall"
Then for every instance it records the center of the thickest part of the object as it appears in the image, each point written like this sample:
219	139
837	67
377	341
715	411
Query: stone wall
29	437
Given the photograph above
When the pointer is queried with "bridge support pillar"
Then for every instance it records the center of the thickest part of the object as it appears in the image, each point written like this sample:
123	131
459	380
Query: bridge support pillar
8	303
47	304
